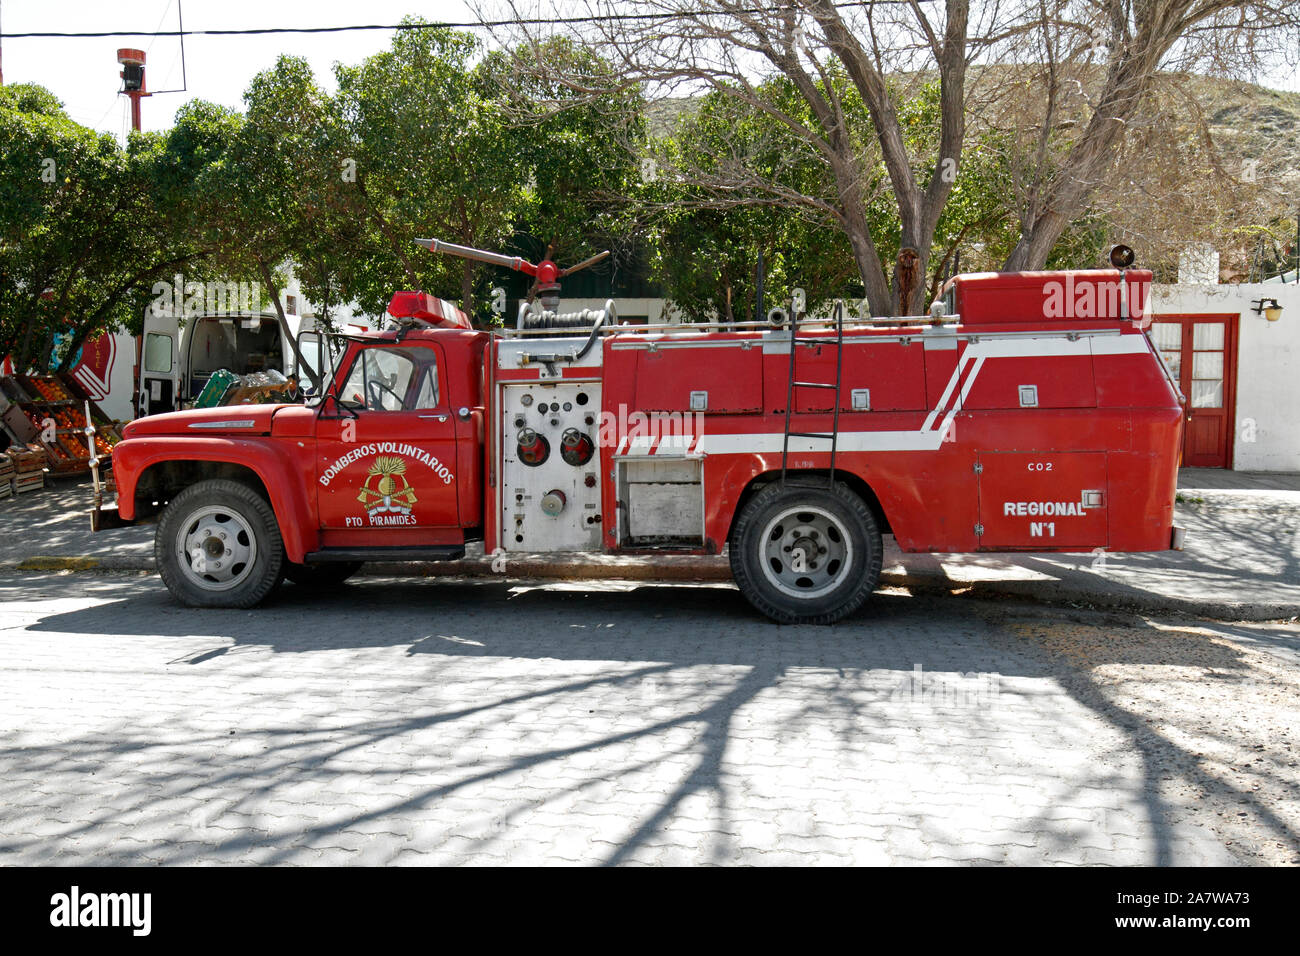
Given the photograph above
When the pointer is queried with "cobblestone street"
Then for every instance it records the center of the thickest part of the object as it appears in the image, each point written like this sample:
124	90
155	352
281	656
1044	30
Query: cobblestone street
619	723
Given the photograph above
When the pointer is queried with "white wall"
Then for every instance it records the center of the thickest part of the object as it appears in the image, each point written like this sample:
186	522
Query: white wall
1267	434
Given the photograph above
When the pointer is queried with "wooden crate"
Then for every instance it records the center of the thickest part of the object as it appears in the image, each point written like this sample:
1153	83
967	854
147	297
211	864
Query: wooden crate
29	482
63	458
12	390
28	458
17	424
47	389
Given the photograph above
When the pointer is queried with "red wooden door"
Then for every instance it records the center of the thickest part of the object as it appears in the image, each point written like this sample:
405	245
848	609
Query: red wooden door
1201	351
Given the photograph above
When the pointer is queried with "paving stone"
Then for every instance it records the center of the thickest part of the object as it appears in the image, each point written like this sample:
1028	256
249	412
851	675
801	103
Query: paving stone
689	733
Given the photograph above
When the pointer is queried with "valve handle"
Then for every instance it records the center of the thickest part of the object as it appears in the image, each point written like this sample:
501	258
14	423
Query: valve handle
544	271
598	257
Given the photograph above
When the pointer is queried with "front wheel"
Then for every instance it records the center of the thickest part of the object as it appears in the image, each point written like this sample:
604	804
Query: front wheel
218	545
805	553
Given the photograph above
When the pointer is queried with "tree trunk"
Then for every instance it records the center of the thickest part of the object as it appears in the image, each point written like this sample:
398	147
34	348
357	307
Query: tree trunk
874	281
284	324
467	288
24	353
1084	170
1036	243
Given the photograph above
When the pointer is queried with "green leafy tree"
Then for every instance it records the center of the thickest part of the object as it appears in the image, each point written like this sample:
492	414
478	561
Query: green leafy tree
434	156
87	230
737	180
571	118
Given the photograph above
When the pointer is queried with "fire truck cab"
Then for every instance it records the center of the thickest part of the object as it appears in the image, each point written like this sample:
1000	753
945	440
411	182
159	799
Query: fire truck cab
1028	412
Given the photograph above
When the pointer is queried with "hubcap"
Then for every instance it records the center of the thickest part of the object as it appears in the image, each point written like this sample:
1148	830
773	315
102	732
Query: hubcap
806	552
216	548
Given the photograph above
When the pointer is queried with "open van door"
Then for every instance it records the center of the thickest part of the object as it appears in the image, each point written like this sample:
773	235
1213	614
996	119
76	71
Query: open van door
159	365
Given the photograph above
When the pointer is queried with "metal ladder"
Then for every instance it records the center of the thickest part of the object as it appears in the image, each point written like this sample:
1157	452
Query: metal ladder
833	435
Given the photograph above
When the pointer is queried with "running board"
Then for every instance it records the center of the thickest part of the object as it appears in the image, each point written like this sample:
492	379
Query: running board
445	552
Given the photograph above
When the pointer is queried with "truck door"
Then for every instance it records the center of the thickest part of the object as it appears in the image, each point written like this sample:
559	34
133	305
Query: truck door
386	448
159	365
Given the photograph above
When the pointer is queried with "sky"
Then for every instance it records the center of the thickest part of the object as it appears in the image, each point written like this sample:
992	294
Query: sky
83	73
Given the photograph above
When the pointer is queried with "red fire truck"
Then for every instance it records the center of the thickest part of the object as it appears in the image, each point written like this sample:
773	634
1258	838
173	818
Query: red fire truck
1027	412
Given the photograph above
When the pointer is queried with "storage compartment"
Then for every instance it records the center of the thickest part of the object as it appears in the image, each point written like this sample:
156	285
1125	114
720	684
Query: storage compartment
1042	500
661	502
713	377
888	376
1047	380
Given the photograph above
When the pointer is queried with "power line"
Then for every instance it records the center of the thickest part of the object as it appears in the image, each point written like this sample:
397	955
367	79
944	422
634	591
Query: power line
166	9
462	25
449	25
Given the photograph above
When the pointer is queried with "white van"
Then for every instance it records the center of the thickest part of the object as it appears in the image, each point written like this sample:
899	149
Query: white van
176	362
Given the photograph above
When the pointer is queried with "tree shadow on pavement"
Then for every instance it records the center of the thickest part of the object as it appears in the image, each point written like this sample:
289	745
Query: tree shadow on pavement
681	666
1160	692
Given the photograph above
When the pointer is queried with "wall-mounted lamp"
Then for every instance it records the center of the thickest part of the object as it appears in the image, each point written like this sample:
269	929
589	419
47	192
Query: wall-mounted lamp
1267	308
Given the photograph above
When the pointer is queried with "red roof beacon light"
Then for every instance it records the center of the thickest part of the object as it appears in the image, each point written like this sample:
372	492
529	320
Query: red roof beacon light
420	307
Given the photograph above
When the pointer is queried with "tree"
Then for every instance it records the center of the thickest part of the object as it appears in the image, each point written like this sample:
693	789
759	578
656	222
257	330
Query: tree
434	155
827	54
474	148
710	217
429	138
86	232
1090	69
735	181
1093	64
572	118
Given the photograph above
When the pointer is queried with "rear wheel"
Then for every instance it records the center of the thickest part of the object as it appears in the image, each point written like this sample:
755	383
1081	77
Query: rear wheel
218	545
805	553
320	575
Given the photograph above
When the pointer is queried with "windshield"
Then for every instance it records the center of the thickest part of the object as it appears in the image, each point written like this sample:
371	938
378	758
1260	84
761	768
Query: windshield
323	351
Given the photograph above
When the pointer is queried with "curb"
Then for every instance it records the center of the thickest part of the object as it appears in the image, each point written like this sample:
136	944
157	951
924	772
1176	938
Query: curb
56	563
718	570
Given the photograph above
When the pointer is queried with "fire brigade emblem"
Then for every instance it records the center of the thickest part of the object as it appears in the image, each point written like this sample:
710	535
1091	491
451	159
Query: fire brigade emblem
386	490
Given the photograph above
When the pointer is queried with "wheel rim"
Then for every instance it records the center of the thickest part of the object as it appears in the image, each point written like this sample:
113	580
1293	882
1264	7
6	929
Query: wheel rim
216	548
806	552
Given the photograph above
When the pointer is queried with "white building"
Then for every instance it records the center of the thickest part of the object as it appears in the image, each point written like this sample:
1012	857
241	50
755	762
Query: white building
1240	371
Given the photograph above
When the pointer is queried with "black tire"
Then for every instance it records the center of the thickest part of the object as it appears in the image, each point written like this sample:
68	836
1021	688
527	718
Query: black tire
228	521
320	575
805	553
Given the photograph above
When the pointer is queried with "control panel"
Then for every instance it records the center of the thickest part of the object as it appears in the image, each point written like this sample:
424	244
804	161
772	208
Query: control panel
550	467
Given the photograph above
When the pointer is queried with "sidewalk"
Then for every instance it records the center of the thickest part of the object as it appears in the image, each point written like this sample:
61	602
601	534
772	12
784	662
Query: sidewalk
1242	557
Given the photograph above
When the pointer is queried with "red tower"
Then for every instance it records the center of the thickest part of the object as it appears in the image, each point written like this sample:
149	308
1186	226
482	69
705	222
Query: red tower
133	81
